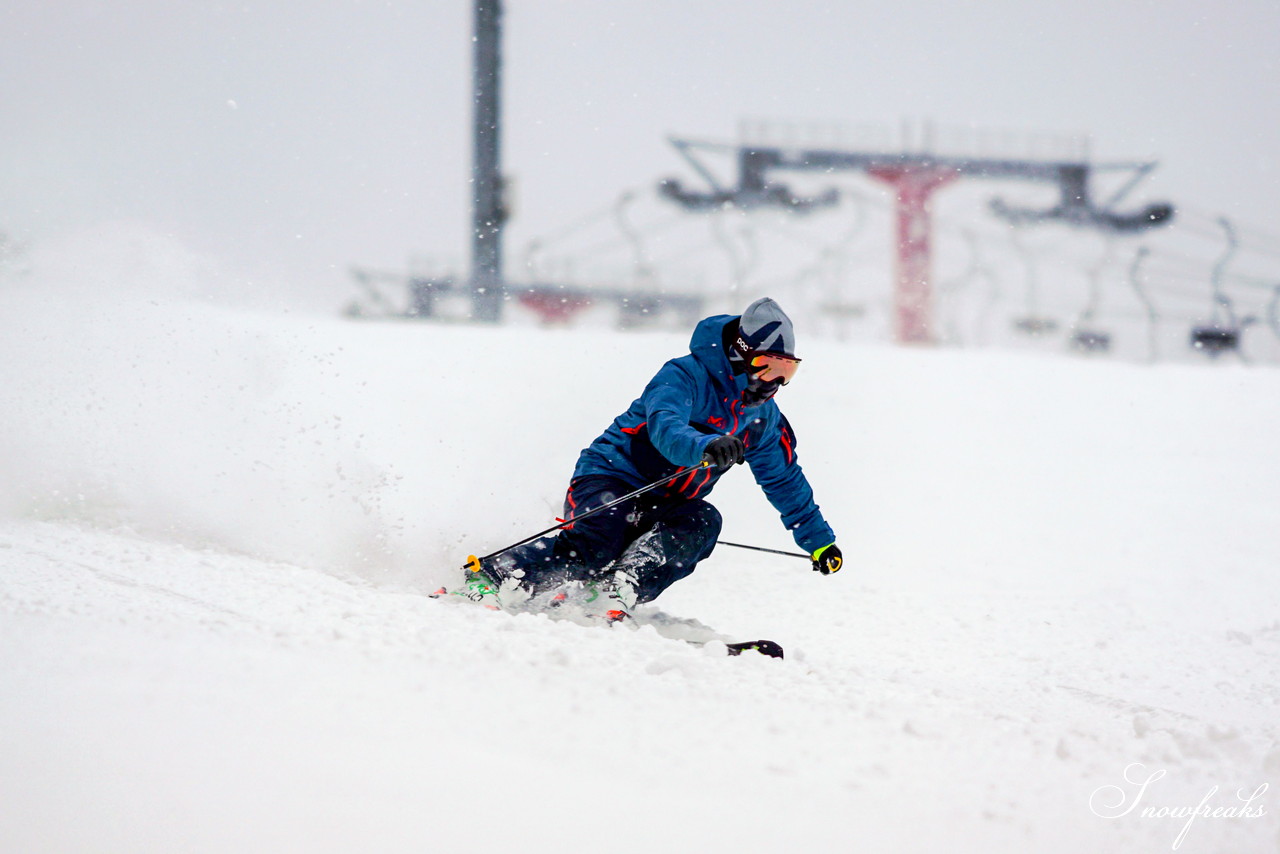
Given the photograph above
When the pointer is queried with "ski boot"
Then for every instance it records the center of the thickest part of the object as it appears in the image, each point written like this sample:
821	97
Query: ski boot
480	586
611	597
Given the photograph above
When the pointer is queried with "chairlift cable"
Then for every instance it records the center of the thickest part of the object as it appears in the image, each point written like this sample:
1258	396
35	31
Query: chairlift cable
972	270
1207	234
1136	282
1244	228
584	221
1273	311
620	241
1220	298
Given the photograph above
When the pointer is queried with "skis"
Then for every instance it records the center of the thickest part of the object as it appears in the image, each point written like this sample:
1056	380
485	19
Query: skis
698	633
478	591
764	647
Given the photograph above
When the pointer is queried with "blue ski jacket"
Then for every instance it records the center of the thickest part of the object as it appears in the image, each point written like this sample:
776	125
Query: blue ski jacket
689	402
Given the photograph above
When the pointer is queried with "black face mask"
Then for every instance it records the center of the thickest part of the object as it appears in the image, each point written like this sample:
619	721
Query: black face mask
758	391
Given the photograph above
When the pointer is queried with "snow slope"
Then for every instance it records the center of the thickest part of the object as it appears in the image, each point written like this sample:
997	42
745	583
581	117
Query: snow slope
217	527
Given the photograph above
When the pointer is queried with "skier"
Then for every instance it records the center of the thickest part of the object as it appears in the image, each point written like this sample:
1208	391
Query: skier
713	407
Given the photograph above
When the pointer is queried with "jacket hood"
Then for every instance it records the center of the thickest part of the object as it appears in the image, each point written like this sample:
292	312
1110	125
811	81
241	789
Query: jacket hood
707	346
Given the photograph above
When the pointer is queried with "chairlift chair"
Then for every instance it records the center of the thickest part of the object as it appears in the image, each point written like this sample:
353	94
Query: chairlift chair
1215	340
1087	339
1033	322
1036	325
1091	341
1222	333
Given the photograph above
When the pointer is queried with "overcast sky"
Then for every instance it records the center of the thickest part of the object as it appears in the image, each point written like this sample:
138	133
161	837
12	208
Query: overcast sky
300	137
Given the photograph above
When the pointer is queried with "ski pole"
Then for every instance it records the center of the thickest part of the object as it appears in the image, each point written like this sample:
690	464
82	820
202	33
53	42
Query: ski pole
473	562
759	549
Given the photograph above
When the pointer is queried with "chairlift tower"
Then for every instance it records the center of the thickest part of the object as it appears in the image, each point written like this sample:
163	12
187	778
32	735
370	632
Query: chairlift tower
487	287
913	185
488	209
914	177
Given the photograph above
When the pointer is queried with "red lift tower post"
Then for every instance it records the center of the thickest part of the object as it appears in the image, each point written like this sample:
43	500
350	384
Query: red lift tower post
913	297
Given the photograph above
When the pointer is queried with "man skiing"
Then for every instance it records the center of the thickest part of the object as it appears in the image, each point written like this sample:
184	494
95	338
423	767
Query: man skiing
699	416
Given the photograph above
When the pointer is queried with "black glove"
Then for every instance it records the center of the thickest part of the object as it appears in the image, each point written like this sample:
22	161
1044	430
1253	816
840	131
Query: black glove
828	559
724	451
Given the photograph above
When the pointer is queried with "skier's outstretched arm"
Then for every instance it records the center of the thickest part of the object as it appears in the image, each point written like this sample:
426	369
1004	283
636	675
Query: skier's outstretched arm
776	468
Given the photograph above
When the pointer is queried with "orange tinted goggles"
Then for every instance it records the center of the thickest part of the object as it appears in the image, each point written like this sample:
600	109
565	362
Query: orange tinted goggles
774	366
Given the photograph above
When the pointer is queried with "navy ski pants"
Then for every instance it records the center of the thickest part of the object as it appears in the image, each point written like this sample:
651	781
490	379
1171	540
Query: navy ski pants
657	539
